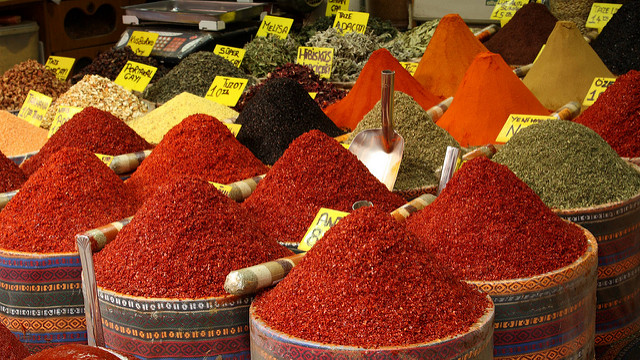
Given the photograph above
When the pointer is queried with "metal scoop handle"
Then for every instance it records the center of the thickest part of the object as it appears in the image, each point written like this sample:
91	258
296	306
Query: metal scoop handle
386	102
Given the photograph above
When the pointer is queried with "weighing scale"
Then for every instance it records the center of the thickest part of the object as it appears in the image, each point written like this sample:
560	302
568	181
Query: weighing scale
187	26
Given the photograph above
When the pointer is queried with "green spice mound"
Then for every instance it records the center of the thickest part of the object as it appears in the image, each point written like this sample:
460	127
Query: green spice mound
569	166
264	54
425	143
194	74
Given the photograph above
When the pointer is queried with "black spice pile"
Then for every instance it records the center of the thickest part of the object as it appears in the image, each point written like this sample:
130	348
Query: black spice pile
618	45
280	112
110	63
327	93
194	74
520	40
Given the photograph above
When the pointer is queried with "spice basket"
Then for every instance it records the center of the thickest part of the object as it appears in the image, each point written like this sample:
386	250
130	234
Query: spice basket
548	316
209	328
267	343
616	227
41	298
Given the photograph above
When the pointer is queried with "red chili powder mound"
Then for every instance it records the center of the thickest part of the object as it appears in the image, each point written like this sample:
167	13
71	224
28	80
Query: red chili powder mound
489	225
488	94
448	55
71	193
364	95
615	116
91	129
75	352
199	146
10	347
11	176
370	283
314	172
182	243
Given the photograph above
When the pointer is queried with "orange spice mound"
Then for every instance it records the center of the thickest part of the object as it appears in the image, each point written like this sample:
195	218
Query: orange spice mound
364	95
488	94
447	57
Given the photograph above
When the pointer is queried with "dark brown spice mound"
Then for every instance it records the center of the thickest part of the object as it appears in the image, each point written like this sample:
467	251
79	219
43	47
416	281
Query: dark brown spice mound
109	64
71	193
199	146
489	225
370	283
182	243
11	176
314	172
91	129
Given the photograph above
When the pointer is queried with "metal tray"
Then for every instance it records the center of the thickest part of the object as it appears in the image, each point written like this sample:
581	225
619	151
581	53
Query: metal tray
194	11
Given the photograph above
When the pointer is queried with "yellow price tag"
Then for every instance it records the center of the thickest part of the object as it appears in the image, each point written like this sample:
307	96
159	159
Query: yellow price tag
226	90
60	65
234	128
539	52
598	86
600	15
505	9
313	95
333	6
233	54
106	159
317	58
142	42
34	107
224	189
349	21
276	25
517	122
63	114
324	220
135	76
345	145
410	67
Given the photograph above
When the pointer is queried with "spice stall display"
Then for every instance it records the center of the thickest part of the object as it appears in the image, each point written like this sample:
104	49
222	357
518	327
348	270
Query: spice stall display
160	281
447	57
617	44
155	124
93	130
615	116
314	172
280	112
194	74
540	271
521	39
370	289
349	111
18	136
578	175
11	176
425	143
28	75
488	94
40	288
565	69
101	93
199	146
110	63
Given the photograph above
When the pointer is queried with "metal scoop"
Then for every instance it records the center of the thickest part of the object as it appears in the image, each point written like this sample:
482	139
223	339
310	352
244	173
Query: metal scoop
380	150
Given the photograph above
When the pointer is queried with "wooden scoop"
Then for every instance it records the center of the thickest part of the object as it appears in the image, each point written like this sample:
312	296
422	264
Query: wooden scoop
380	150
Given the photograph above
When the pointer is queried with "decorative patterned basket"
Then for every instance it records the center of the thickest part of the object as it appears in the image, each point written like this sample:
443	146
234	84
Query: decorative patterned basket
210	328
548	316
41	298
267	343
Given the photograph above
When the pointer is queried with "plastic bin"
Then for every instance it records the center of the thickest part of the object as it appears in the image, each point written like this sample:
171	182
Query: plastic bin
18	43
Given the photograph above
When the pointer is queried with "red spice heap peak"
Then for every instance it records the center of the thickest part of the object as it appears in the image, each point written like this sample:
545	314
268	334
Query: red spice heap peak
447	57
199	146
364	95
182	243
616	115
489	225
91	129
488	94
368	273
71	193
11	176
314	172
